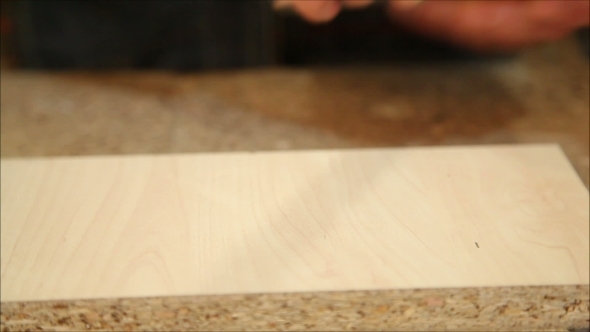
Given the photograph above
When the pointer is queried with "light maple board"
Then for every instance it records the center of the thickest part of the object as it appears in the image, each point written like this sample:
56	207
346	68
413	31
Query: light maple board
130	226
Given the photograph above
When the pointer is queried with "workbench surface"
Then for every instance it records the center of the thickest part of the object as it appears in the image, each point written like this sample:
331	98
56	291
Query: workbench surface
540	97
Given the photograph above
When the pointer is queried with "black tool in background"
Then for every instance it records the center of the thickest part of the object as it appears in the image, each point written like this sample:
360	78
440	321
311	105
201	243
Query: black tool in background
147	34
583	35
191	35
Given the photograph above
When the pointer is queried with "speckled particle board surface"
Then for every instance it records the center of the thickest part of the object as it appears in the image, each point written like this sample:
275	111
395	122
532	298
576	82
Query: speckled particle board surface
485	309
541	96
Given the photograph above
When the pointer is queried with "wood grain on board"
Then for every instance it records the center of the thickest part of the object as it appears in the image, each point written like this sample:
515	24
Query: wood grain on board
166	225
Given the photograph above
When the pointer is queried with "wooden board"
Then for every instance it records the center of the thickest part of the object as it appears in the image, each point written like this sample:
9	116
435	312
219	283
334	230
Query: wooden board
130	226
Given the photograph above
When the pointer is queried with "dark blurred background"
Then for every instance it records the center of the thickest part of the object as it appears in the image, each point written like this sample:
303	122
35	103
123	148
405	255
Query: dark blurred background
200	35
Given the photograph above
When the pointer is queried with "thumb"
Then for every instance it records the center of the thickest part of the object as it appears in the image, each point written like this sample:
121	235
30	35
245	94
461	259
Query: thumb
315	11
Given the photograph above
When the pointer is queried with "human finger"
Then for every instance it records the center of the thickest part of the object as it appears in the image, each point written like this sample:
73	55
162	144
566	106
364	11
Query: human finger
317	11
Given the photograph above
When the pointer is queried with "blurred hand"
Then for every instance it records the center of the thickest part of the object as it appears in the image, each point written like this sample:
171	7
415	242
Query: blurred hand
320	11
483	25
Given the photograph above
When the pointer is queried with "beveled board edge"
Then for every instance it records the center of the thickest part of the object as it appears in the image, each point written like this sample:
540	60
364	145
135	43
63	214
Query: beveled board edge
476	147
